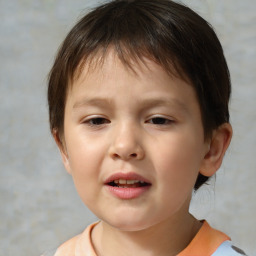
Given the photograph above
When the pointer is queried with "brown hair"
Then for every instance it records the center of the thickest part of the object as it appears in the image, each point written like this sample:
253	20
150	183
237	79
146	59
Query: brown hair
168	33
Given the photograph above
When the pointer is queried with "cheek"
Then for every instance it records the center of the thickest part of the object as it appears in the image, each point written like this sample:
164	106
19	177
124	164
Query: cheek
83	152
85	171
85	159
179	161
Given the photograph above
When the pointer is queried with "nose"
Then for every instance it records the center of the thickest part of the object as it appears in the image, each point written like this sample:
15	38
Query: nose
126	143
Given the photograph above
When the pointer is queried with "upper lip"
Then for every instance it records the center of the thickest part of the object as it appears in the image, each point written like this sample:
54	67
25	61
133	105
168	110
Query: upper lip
126	176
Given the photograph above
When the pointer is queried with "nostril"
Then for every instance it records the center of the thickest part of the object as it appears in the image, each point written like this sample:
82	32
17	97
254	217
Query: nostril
116	155
126	153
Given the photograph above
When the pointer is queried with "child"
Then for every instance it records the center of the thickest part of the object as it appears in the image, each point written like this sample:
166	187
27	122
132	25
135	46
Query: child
138	101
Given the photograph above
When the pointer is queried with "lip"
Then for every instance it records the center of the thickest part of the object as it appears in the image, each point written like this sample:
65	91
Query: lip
128	192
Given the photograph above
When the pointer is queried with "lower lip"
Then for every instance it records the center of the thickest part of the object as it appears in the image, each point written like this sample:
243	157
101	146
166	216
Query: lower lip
127	193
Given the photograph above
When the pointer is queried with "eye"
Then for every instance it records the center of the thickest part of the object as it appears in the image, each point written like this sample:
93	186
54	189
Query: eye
97	121
159	121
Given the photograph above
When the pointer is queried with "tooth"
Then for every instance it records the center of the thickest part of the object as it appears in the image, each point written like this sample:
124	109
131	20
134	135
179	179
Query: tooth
130	181
121	181
116	181
142	182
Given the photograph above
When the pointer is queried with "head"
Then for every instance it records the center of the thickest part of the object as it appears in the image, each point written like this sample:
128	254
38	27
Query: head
169	34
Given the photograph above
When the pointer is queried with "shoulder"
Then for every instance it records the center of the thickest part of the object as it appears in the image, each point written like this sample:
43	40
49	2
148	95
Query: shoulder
68	248
80	244
65	249
227	249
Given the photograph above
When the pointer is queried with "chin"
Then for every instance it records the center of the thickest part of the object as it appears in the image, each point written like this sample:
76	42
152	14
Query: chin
130	224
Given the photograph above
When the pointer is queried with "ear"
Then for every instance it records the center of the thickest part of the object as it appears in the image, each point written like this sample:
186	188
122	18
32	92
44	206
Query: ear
216	150
62	148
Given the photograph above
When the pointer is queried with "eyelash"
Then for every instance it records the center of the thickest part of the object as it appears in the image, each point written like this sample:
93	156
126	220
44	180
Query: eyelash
158	120
96	121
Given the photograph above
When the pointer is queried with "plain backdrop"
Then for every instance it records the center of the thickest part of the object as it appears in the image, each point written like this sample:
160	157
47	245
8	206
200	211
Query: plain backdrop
39	205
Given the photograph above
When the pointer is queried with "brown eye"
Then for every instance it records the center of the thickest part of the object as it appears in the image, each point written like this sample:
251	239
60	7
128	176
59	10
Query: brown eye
159	121
97	121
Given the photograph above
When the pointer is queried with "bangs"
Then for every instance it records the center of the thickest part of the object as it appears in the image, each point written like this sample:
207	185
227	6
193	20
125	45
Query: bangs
131	30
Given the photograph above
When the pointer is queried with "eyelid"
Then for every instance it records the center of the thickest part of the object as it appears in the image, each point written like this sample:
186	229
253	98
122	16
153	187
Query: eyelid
94	117
161	116
169	119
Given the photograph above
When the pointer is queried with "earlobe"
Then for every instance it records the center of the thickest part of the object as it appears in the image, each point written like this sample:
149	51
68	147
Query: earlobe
62	149
217	148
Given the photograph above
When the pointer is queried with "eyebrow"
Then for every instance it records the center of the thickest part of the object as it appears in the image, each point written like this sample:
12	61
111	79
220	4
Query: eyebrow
145	103
101	102
163	101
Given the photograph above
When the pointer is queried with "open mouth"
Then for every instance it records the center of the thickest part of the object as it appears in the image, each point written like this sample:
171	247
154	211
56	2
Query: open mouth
127	186
122	183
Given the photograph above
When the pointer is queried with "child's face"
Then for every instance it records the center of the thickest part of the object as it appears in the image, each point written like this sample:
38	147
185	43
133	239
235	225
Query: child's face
144	127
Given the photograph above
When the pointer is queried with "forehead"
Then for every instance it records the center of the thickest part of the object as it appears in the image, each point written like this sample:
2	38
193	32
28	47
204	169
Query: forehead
104	64
108	78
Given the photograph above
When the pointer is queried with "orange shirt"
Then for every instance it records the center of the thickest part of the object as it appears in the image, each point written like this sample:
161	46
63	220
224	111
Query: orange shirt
205	243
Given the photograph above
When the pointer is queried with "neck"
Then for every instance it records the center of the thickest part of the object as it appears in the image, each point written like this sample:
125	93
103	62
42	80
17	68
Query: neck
166	238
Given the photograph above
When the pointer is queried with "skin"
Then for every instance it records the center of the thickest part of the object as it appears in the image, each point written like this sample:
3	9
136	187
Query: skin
148	123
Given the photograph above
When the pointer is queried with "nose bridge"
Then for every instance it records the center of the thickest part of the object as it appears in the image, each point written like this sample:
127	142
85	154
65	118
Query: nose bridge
126	140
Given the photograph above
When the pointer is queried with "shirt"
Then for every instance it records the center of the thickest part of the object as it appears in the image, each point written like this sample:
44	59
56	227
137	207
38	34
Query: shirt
207	242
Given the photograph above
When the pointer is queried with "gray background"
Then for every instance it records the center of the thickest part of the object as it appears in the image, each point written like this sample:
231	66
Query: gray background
39	206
